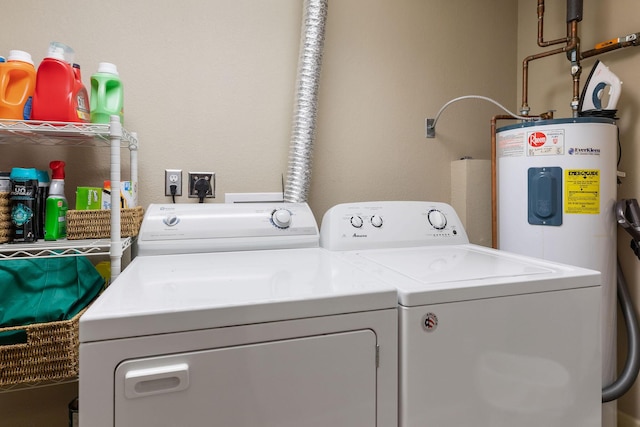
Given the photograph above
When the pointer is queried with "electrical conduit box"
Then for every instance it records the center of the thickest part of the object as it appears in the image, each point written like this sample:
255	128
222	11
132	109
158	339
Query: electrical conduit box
202	185
545	196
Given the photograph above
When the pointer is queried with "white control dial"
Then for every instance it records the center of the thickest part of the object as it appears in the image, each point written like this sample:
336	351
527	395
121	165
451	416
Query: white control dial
281	218
356	221
376	221
437	219
171	220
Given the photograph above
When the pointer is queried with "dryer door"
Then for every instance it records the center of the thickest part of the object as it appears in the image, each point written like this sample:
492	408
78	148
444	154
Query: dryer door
319	381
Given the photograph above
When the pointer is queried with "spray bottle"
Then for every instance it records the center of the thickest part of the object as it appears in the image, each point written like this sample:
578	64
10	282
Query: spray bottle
55	224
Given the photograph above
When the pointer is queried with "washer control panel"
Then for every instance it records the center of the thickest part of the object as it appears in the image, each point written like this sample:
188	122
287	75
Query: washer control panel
369	225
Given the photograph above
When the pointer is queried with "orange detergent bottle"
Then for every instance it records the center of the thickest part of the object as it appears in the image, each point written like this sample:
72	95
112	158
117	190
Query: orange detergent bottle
60	95
17	84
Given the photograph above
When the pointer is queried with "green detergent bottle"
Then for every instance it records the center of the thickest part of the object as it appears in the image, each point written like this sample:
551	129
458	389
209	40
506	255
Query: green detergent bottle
55	224
107	94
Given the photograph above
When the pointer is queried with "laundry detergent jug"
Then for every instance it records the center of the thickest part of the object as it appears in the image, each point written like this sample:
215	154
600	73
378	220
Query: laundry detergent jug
17	85
60	95
106	94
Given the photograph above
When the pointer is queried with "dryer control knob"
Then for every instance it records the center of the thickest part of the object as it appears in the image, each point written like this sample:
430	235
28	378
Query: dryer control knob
437	219
356	221
376	221
171	220
281	218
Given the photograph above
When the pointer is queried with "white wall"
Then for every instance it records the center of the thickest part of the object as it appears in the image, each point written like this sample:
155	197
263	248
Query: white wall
209	86
387	66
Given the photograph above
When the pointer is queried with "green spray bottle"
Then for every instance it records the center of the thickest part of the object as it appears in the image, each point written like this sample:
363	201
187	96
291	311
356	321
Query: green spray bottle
55	223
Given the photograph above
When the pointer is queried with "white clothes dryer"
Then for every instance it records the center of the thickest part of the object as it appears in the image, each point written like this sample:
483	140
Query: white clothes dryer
232	315
487	338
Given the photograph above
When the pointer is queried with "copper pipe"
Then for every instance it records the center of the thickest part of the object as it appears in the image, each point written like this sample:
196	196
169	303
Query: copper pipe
576	68
572	44
609	48
541	41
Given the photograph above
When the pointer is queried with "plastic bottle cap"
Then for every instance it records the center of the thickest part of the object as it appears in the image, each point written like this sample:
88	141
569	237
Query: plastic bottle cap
57	169
61	52
107	67
43	177
20	55
23	173
56	53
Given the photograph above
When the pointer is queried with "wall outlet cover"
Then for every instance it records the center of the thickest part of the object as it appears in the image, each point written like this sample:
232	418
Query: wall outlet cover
203	178
172	177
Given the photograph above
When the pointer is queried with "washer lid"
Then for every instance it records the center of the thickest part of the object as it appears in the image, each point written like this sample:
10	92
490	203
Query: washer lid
431	275
174	293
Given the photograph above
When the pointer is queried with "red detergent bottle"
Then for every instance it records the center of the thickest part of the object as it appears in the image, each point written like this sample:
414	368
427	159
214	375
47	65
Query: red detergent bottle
60	95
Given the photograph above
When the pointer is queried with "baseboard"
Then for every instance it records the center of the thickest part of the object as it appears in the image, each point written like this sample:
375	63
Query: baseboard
625	420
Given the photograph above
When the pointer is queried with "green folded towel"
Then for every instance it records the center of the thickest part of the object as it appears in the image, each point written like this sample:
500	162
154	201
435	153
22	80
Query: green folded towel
40	290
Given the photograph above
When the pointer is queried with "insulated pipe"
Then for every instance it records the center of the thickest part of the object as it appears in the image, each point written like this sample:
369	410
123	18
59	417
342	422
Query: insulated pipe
630	371
305	108
574	10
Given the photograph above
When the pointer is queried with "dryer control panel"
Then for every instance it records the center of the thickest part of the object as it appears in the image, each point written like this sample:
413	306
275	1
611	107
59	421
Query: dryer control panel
214	227
389	224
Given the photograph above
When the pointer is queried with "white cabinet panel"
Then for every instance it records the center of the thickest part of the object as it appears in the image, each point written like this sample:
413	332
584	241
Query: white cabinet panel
318	381
518	361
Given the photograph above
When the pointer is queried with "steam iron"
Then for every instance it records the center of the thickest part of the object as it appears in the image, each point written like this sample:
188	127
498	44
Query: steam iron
593	92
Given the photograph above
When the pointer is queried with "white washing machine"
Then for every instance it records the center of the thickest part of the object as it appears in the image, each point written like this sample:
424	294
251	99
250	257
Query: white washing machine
487	338
232	315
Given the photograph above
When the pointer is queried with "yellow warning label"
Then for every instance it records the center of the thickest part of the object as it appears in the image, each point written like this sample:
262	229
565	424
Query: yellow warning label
582	191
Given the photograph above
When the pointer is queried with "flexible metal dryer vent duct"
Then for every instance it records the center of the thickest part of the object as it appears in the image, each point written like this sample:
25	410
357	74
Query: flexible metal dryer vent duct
304	117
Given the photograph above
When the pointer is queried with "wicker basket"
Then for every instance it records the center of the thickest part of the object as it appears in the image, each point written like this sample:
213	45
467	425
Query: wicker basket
50	353
5	218
96	224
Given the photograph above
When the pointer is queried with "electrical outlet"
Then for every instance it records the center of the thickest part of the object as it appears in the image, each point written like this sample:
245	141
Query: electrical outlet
430	128
205	179
172	177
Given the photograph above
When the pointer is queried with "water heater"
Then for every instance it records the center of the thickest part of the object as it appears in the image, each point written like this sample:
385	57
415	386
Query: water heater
556	190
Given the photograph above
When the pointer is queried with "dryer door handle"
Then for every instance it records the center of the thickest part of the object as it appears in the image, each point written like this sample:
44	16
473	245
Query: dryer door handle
157	380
